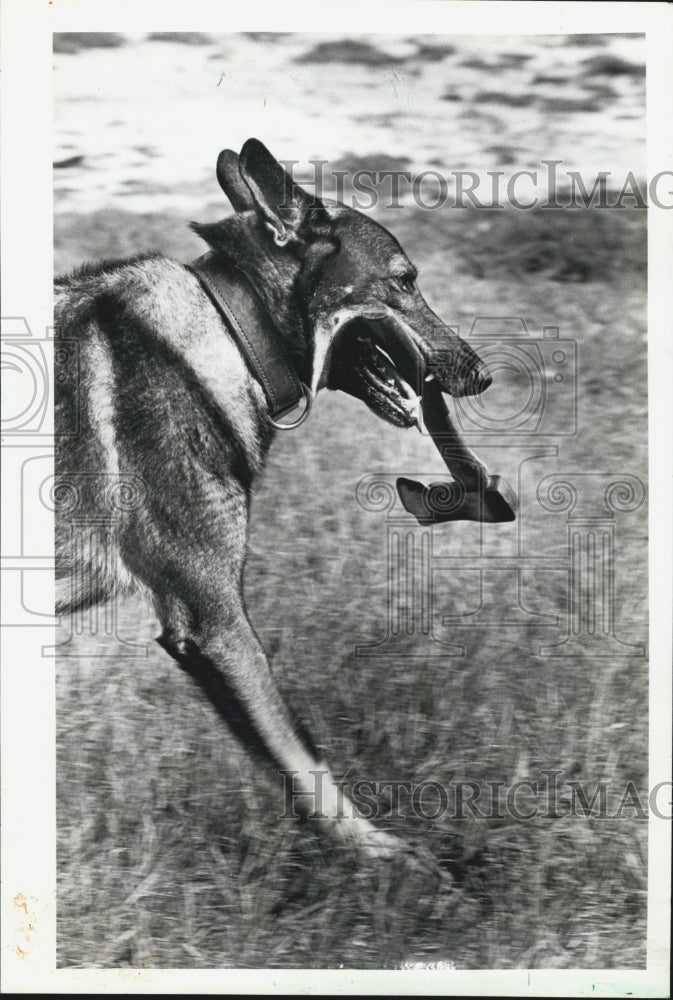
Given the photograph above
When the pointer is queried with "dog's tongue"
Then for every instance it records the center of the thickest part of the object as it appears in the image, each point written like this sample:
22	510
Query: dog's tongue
474	495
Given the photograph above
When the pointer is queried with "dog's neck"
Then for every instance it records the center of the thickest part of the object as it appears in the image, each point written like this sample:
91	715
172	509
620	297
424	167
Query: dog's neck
276	276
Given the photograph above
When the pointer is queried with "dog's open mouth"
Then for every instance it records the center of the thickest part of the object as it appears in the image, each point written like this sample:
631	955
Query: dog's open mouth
365	364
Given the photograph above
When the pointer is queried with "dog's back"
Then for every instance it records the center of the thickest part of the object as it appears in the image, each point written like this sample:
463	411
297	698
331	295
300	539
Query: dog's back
165	410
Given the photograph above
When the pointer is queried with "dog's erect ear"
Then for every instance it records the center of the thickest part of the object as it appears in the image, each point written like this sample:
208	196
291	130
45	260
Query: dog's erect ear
282	203
231	182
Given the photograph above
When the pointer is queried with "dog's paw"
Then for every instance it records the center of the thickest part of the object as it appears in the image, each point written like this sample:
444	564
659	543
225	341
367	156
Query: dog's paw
372	843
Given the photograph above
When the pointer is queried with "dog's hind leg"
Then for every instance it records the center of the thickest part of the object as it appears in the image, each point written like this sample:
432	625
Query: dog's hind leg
186	545
225	659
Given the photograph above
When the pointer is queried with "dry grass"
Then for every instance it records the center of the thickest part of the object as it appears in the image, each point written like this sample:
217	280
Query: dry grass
170	852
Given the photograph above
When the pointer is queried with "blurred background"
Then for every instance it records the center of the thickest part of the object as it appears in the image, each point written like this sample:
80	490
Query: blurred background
140	120
170	852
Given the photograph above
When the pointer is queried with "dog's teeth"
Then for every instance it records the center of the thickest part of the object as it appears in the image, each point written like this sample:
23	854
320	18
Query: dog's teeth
429	378
412	398
410	406
385	354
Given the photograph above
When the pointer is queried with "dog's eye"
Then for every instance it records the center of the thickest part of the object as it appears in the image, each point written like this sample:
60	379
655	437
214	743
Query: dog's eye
406	283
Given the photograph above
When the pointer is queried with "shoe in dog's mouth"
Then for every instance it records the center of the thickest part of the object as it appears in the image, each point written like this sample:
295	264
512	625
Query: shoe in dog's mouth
374	368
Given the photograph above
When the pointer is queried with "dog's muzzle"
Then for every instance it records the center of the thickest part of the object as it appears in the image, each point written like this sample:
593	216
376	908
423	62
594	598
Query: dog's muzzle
454	365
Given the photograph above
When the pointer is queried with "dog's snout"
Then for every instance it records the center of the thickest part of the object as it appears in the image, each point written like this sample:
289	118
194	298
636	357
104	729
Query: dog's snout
483	378
478	380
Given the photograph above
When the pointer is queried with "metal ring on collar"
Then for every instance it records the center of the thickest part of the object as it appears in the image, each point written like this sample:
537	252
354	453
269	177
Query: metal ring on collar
308	396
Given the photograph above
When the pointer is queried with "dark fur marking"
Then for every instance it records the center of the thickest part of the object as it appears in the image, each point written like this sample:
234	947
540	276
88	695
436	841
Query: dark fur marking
209	677
141	357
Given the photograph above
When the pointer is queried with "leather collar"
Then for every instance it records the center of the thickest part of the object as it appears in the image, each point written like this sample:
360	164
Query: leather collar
246	317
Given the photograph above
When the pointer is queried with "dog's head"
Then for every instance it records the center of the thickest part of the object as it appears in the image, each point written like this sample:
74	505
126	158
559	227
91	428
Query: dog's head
373	335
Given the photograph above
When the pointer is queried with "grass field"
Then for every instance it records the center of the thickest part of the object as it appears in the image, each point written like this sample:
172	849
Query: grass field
170	852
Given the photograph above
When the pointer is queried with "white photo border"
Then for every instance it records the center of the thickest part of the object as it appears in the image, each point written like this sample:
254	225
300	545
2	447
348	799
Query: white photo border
28	694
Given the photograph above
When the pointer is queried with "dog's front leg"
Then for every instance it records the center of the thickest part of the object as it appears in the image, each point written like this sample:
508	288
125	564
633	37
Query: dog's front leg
226	660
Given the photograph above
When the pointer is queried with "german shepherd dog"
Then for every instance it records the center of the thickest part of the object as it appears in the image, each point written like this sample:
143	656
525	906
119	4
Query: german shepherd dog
169	409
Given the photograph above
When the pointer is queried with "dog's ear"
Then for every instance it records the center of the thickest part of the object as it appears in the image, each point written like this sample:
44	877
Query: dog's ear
231	182
287	210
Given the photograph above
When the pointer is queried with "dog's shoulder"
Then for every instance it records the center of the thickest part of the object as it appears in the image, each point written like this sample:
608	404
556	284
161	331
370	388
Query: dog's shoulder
128	274
105	267
146	286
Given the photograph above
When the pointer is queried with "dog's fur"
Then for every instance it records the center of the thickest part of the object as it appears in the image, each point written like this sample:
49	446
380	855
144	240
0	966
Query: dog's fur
171	418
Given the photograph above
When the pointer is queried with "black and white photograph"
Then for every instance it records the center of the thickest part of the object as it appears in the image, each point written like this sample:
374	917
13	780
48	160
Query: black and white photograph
336	499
